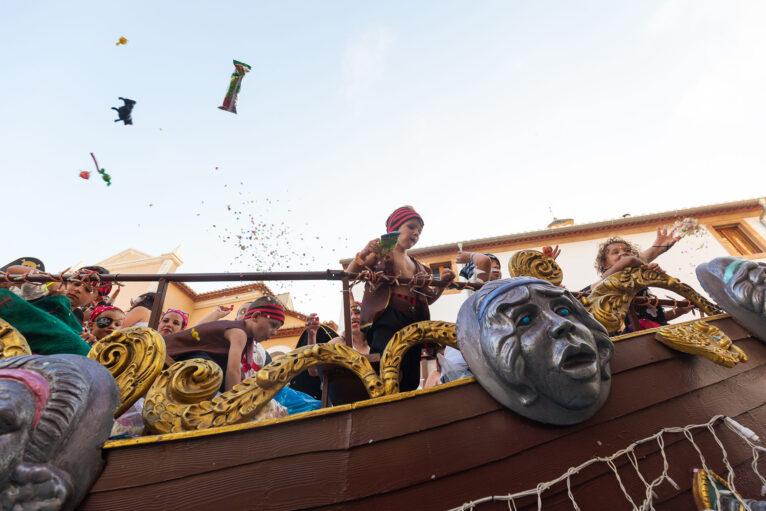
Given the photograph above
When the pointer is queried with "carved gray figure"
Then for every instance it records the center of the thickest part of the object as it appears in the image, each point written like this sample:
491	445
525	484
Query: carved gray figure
535	349
739	287
55	414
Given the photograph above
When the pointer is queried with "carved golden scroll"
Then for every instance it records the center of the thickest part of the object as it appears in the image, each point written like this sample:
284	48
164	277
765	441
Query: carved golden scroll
610	300
440	332
12	343
700	338
172	402
181	398
533	263
134	356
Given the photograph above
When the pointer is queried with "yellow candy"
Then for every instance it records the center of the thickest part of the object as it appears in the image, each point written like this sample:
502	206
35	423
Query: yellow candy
121	41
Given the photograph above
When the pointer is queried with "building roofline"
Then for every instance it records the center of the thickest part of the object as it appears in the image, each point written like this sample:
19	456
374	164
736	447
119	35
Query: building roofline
593	227
221	293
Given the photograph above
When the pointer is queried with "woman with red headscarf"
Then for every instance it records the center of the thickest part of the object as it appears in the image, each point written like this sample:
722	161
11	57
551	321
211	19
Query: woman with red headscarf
387	309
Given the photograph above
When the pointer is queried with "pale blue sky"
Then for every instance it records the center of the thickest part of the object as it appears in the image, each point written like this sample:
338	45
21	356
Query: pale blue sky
481	114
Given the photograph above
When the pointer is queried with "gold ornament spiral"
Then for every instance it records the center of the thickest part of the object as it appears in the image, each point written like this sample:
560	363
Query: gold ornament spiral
440	332
703	339
176	389
610	301
134	356
170	409
12	343
533	263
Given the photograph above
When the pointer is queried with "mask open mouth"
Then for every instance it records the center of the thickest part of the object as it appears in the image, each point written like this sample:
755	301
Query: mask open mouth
579	362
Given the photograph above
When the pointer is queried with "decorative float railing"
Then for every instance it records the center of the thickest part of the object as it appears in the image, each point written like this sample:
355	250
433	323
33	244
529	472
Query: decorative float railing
182	398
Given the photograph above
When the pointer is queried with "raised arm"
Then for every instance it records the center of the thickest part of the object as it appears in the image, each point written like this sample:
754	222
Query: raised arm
219	312
137	315
312	325
665	239
482	264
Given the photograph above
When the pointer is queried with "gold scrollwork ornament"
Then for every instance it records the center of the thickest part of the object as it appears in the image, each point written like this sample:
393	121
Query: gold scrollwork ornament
12	343
703	339
177	402
181	398
134	356
533	263
440	332
610	300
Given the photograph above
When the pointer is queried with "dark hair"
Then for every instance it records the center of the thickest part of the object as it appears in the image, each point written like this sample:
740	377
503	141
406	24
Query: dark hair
98	269
144	300
601	254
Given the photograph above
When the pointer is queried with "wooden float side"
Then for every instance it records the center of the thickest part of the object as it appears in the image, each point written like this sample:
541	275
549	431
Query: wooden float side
385	455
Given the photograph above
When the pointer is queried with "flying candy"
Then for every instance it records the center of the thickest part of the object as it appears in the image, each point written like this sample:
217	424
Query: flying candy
85	174
106	177
125	111
121	41
230	101
688	227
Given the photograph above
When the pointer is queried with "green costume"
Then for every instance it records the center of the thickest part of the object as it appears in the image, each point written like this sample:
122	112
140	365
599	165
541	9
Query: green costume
48	324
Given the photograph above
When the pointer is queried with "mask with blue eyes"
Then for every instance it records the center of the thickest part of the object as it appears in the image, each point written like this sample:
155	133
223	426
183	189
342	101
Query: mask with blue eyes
535	349
738	286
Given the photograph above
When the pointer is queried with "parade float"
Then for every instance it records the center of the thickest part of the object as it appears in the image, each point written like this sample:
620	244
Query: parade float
562	413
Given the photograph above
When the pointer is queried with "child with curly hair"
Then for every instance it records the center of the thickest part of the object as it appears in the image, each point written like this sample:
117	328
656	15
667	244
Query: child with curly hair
615	254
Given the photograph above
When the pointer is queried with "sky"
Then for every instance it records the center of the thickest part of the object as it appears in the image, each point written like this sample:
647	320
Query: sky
489	117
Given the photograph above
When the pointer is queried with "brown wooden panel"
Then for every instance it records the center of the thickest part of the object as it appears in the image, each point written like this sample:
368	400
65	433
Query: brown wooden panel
126	466
594	488
437	453
453	434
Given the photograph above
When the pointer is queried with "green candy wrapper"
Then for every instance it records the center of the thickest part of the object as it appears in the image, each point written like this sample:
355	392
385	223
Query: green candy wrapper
230	101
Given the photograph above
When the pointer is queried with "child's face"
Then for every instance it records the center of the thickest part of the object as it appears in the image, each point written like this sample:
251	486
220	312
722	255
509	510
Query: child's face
261	328
106	323
614	252
170	324
80	294
410	234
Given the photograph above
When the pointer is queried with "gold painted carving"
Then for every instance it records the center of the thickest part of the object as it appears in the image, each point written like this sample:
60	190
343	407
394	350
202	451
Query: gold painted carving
135	357
12	343
532	263
440	332
610	300
169	406
181	398
700	338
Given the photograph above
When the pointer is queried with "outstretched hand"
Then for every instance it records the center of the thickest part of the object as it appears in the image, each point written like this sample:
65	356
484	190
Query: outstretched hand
312	325
223	310
666	238
552	252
